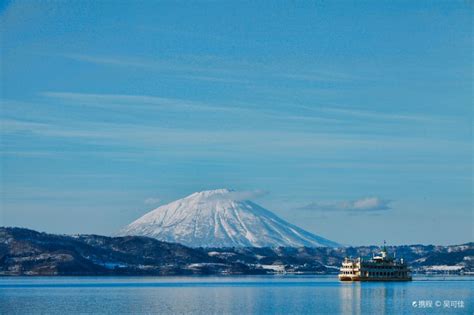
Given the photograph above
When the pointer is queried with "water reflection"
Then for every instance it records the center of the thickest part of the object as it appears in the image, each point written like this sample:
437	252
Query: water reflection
363	298
349	298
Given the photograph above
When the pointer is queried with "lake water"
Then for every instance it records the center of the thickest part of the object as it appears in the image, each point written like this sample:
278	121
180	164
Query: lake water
233	295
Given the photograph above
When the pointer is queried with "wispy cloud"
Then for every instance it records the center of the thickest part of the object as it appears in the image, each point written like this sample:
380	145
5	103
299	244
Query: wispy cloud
239	195
218	69
322	76
152	201
14	125
141	103
364	205
137	136
131	102
187	68
108	60
331	115
373	115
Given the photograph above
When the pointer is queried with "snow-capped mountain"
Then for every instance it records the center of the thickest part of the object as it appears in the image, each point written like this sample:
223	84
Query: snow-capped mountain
218	218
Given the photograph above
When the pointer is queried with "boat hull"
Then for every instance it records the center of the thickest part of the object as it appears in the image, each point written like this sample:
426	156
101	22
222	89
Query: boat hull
368	279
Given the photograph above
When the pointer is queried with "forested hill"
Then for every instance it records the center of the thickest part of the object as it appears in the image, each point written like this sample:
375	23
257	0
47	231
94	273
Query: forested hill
27	252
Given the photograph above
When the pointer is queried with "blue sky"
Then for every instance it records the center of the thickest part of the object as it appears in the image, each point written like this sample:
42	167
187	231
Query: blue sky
355	120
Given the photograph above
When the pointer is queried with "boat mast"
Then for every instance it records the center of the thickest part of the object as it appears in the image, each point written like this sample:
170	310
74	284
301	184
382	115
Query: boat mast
384	250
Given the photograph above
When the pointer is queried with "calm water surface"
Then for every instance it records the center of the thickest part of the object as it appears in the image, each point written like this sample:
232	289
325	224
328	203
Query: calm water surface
233	295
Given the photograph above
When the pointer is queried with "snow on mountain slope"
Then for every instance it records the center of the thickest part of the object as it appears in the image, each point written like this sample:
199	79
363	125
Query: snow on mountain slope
218	218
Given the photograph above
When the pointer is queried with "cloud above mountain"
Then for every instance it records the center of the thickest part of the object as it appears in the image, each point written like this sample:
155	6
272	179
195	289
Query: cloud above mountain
363	205
152	201
229	194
